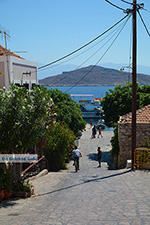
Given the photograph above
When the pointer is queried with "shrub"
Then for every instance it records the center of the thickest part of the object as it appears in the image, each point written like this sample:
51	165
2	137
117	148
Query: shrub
115	142
59	137
22	186
145	143
5	178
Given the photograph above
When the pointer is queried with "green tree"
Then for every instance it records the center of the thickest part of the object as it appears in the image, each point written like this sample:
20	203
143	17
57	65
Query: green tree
24	117
68	111
59	137
118	102
144	95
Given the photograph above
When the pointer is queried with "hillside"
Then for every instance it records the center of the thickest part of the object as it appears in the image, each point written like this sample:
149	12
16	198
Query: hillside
99	76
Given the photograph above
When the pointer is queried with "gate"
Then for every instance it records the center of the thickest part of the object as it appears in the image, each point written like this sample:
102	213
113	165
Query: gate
142	158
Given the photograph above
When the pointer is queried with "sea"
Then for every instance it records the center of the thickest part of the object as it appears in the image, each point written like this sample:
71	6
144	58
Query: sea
78	93
95	91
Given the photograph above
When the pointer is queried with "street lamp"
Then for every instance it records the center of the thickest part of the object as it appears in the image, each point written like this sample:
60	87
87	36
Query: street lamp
123	67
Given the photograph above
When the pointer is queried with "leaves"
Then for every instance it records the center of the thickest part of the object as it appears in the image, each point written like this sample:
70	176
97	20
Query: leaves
59	137
24	116
118	102
67	110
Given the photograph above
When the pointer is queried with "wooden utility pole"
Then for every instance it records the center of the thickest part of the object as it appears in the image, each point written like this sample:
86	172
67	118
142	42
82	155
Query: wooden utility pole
134	56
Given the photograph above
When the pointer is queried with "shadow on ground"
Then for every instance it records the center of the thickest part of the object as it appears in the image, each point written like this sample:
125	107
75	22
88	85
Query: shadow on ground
97	179
106	157
8	203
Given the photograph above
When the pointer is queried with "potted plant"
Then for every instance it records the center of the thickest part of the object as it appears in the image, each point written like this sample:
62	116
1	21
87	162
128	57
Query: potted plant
1	191
1	184
7	185
23	189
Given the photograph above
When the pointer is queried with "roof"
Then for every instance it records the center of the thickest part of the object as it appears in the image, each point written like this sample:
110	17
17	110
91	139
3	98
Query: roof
4	50
142	116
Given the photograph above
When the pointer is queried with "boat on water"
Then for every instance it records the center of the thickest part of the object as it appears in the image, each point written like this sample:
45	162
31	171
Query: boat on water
90	108
100	124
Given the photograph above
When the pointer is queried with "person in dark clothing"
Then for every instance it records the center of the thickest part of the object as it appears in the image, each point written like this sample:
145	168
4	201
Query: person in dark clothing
94	131
99	156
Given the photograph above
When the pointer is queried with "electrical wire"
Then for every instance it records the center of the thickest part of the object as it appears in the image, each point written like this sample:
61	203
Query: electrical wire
118	28
83	45
114	5
82	63
127	2
100	58
130	50
82	52
144	24
146	10
130	58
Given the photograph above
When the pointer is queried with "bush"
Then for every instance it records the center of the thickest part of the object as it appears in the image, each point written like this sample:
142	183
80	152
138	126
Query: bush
22	186
59	137
115	142
145	143
5	178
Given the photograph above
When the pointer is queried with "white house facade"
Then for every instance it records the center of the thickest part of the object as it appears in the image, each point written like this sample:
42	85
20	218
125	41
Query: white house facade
17	70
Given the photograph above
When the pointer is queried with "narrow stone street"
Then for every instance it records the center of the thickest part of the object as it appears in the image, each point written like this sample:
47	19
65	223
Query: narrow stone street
92	196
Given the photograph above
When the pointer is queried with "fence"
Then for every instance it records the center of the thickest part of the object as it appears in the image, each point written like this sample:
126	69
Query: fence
35	168
142	158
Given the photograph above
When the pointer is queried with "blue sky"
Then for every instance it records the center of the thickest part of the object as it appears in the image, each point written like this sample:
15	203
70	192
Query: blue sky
50	29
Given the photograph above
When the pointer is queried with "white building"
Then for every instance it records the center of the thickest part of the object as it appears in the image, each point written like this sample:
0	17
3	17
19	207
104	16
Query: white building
15	69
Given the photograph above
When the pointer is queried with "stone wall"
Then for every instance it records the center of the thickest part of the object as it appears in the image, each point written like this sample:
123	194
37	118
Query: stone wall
125	138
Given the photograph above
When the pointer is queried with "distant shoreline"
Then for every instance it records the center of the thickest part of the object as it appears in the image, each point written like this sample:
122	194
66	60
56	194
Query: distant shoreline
93	76
79	85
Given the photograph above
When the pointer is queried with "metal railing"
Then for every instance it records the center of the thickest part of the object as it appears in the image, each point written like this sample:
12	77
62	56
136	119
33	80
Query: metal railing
35	168
141	158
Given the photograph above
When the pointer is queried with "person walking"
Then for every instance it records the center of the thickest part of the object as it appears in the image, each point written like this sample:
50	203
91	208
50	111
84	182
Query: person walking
91	122
94	131
99	132
99	156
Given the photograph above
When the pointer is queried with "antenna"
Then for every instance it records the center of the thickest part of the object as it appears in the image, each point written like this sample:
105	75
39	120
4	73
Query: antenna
20	52
6	35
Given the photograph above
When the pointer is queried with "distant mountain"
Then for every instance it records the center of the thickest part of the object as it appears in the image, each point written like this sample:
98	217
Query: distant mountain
55	70
140	69
87	76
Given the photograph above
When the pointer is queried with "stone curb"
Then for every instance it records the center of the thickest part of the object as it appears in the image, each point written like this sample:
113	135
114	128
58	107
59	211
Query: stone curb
42	173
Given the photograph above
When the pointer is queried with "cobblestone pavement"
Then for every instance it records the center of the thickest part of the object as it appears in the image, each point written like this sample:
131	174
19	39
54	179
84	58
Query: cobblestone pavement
92	196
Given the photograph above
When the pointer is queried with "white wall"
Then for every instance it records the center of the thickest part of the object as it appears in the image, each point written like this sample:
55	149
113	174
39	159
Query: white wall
18	71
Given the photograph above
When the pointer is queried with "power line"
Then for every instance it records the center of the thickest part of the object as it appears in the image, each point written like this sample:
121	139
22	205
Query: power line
146	10
83	51
100	58
144	23
130	58
83	62
83	45
118	28
114	5
127	2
